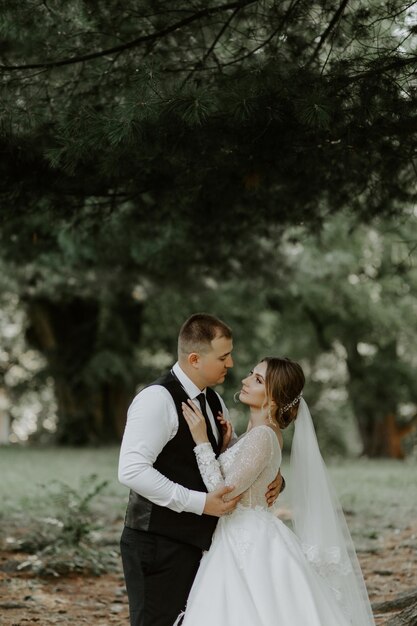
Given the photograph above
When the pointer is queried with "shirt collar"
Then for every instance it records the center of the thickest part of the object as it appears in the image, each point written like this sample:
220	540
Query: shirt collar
190	388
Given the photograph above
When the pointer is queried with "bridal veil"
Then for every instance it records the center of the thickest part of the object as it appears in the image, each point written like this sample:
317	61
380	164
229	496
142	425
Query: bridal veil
320	524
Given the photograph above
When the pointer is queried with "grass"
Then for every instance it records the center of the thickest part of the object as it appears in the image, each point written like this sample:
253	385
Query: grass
63	507
380	494
378	487
26	474
375	494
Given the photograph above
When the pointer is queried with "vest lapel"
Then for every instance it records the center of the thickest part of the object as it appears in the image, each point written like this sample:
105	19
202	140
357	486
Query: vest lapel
213	402
215	407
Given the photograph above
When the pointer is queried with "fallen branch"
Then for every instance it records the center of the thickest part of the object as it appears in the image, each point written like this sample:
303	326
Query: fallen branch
12	605
401	601
408	617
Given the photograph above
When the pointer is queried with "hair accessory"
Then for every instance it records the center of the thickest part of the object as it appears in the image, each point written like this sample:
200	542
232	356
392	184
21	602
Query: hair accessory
290	404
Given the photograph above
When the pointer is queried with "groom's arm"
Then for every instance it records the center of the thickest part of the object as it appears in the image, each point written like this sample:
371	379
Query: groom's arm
151	424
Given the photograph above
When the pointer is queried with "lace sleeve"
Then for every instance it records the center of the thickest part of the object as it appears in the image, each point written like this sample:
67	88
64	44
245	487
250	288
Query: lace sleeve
209	466
249	456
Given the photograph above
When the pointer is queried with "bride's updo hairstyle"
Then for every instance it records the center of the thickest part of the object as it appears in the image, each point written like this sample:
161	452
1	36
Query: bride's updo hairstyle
284	383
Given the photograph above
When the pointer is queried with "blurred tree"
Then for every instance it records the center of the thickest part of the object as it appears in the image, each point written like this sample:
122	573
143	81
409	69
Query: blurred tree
356	290
151	144
26	394
89	347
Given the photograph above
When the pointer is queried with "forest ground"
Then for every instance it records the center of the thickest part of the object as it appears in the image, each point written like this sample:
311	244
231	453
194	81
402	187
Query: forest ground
40	487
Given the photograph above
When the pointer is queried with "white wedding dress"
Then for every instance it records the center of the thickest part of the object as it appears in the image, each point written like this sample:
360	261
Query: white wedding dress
256	572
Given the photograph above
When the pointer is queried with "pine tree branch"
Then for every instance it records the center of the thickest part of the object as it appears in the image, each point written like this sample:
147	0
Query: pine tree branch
392	16
397	64
135	42
250	53
332	24
201	63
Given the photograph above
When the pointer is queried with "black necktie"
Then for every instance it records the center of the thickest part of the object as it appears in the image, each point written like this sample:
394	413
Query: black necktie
202	400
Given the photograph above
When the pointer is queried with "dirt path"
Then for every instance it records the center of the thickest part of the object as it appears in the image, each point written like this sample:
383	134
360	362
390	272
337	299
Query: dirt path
98	601
389	568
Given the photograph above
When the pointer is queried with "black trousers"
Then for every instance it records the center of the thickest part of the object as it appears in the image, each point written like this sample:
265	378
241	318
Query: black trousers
159	573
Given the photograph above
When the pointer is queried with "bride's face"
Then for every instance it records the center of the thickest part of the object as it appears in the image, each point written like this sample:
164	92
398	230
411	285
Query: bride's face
253	390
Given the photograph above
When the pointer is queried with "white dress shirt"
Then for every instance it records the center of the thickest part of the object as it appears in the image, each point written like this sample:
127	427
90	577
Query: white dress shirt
152	421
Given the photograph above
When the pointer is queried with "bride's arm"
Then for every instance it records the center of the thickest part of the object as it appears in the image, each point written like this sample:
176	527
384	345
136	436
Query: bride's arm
248	460
252	455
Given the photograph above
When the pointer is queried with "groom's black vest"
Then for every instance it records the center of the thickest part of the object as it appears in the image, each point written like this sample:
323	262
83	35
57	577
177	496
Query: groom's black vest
177	462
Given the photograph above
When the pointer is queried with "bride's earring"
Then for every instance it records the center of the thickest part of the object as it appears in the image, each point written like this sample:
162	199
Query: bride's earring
236	397
270	418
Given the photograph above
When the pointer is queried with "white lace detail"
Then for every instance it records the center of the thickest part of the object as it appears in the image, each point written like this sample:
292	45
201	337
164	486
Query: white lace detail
235	525
330	566
329	562
208	466
243	542
250	465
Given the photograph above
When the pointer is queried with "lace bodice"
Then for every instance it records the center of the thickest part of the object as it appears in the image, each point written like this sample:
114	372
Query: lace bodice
250	465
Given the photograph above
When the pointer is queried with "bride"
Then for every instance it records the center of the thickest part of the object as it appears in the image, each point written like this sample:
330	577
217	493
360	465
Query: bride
258	572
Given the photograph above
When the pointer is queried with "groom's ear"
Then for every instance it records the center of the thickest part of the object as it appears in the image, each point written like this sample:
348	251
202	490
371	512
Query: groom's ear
193	359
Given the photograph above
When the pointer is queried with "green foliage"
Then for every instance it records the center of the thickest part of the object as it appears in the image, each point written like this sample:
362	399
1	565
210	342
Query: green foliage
220	96
353	296
74	508
64	542
150	151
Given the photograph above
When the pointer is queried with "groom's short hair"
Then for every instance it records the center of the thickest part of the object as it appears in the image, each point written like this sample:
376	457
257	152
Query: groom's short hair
197	333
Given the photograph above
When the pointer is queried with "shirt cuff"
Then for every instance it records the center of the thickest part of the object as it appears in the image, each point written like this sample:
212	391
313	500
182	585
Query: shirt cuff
196	502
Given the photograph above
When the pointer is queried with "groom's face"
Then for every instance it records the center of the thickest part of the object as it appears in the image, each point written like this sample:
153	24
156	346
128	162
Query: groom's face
213	364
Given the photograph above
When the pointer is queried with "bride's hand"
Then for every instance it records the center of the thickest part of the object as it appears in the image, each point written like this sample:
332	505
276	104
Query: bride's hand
196	422
227	431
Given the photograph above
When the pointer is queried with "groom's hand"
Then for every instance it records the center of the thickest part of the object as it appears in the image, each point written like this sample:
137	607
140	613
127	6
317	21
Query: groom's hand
215	505
275	488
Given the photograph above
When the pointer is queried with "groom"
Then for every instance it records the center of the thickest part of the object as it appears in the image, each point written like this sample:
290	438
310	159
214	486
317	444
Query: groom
170	518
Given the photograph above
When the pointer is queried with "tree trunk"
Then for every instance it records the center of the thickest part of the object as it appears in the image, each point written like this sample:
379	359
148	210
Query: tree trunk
92	400
383	437
91	416
373	398
4	422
